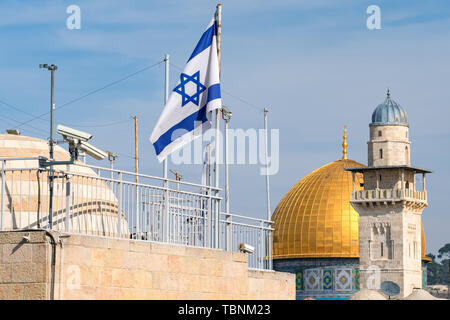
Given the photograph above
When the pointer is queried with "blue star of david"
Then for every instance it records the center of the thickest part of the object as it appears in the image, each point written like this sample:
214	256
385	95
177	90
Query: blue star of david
180	89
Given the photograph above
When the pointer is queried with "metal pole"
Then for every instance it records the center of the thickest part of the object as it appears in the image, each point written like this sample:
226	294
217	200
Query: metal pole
165	217
119	214
267	164
136	152
210	194
217	145
166	97
136	164
269	232
52	69
68	192
216	178
227	192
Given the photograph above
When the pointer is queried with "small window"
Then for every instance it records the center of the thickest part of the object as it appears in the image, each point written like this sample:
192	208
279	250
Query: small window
380	177
382	253
380	133
381	153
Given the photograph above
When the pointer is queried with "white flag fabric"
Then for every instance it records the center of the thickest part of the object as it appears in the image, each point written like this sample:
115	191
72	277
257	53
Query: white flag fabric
187	113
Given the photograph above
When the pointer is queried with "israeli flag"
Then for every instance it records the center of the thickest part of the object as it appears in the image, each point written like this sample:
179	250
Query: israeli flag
187	113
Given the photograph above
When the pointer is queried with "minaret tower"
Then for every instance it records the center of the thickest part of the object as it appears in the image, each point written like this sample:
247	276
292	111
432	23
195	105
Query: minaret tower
390	206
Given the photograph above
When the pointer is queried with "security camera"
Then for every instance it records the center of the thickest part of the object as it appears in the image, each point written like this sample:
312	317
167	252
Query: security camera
246	248
71	134
92	151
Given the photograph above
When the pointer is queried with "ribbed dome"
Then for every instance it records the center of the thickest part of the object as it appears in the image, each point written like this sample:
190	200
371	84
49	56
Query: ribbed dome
315	218
389	113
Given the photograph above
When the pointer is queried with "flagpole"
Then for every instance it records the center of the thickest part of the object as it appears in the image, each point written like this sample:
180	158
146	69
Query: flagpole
166	183
166	97
216	158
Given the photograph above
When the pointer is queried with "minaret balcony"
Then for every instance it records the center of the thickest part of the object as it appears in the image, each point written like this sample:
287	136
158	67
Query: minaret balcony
389	196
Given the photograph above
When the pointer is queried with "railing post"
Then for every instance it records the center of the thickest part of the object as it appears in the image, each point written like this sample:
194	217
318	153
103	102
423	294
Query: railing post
68	196
210	211
3	196
229	232
270	246
137	212
261	259
119	215
217	217
165	217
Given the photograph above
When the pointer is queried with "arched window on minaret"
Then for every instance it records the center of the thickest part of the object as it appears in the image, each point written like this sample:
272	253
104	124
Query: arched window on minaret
407	155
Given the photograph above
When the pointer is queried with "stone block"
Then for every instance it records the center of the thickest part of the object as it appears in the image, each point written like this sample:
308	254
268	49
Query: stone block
134	260
75	254
98	256
35	291
17	237
16	253
106	277
176	264
122	278
39	252
5	273
140	246
239	257
113	258
118	244
94	242
107	293
85	292
11	291
141	279
168	249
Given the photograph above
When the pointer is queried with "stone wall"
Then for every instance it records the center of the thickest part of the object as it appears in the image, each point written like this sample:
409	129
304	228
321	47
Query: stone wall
92	267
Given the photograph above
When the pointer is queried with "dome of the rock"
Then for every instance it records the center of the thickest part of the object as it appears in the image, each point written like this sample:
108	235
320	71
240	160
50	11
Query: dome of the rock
315	219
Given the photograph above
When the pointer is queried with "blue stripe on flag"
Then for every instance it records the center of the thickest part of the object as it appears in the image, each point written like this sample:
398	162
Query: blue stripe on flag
205	40
214	92
185	124
188	122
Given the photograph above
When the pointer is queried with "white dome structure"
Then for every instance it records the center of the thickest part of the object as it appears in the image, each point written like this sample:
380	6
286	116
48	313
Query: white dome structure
420	294
367	294
93	206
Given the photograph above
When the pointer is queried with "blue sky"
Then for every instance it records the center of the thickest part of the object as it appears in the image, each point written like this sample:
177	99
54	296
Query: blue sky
314	64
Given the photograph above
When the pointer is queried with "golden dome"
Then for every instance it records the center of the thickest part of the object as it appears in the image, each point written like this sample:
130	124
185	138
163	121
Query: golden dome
315	218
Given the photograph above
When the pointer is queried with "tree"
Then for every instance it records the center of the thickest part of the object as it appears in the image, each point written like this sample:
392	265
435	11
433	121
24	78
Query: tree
444	252
438	271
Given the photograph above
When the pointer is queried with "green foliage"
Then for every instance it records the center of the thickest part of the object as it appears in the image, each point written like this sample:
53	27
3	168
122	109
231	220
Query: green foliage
438	271
444	252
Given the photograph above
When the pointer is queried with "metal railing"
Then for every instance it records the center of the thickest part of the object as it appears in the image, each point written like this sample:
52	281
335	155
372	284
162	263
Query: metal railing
390	194
99	201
